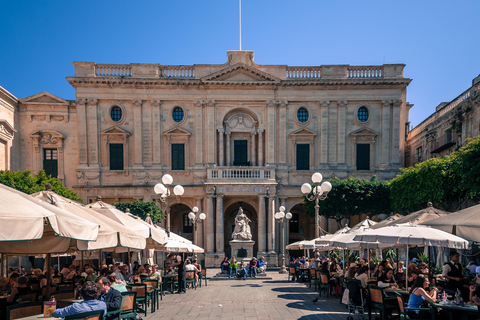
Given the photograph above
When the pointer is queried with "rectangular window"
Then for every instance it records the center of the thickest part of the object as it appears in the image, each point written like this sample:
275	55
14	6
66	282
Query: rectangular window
116	156
419	154
363	156
187	224
240	154
303	156
178	156
448	136
50	162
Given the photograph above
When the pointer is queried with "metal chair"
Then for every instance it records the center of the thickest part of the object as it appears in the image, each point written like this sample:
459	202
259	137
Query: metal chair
292	274
190	278
313	278
203	276
324	285
404	310
378	303
356	302
23	310
152	286
62	295
91	315
142	297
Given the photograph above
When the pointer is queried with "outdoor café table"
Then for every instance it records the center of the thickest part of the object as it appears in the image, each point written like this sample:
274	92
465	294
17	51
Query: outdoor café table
405	294
168	281
305	272
35	317
458	312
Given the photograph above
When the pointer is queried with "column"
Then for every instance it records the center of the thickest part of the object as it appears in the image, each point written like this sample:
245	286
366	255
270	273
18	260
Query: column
229	153
324	130
157	131
271	225
210	129
332	133
342	120
220	225
137	132
147	119
209	226
93	132
261	224
199	133
270	143
82	132
260	147
385	135
221	156
253	154
282	132
199	237
395	141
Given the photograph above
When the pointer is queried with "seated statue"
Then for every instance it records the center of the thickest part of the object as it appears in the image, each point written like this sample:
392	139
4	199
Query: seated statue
242	230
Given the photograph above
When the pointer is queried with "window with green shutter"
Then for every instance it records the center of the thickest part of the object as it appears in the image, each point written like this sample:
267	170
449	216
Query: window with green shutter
303	156
50	162
116	156
363	156
178	156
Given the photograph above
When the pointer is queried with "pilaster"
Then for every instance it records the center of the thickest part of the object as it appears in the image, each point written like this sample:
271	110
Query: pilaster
137	133
342	121
199	127
395	141
253	150
262	231
260	146
93	133
385	135
332	133
221	147
210	132
271	225
282	133
82	132
324	136
147	119
209	225
220	230
270	141
157	131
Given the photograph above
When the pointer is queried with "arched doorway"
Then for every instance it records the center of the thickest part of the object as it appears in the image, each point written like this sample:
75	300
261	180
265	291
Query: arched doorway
229	220
300	227
179	222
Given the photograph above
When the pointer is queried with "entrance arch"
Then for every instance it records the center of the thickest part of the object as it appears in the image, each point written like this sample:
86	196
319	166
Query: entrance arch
229	223
179	222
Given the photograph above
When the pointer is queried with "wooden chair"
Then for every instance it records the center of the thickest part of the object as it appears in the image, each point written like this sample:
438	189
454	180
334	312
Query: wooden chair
23	310
127	306
63	295
404	310
66	286
313	278
203	276
44	292
142	297
152	286
190	278
28	297
292	274
378	303
91	315
78	280
324	285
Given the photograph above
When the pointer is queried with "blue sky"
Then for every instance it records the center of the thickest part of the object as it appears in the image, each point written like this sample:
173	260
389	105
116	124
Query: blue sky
437	40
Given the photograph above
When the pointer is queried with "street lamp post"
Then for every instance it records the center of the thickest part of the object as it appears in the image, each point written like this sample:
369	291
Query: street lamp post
320	192
280	218
164	191
192	216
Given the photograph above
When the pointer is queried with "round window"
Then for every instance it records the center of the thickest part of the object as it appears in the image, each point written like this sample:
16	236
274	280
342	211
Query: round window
302	115
362	114
116	113
177	114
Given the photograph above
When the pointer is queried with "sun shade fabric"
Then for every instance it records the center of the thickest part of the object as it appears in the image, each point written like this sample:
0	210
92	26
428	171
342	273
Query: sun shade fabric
418	217
301	245
110	235
30	226
466	222
155	235
410	234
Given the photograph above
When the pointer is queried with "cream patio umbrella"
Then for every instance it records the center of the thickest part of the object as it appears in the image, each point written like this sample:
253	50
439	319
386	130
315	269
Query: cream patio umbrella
29	226
111	236
389	221
301	245
464	223
418	217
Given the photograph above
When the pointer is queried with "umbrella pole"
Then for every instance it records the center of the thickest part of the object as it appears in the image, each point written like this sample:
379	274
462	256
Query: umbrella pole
128	259
81	252
48	264
6	264
396	253
429	266
100	260
368	262
406	272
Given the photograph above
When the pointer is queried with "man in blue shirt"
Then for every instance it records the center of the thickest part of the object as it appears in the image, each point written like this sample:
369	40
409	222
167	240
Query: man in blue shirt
90	293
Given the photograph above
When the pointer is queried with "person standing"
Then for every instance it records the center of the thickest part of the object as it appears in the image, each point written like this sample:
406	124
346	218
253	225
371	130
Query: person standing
182	275
453	271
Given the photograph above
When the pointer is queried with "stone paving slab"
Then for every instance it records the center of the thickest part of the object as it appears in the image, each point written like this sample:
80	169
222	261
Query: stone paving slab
250	299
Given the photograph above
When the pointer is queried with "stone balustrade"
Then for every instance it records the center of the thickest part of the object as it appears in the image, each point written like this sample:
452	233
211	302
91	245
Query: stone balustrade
113	70
240	173
177	72
303	73
365	72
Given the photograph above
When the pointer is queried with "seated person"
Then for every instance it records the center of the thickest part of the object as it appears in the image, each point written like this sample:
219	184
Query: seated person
412	277
109	295
190	267
362	276
198	266
243	270
233	267
262	265
225	266
386	280
90	293
252	267
116	284
21	289
418	295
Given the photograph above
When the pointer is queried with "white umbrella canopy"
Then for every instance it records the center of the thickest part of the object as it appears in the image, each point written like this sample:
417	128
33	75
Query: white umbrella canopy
464	223
413	235
112	235
155	236
30	226
301	245
173	245
387	222
418	217
322	243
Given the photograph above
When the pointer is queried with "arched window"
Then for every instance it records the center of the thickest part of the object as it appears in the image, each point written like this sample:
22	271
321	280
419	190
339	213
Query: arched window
187	224
295	223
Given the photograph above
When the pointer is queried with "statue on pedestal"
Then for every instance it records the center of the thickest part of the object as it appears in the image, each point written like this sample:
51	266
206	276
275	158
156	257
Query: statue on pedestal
242	230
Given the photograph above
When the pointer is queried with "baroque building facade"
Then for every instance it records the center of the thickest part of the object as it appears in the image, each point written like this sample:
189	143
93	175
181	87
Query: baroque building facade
447	129
233	135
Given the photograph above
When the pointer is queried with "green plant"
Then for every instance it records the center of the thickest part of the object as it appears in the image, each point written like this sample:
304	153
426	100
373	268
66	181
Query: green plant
335	253
422	257
390	253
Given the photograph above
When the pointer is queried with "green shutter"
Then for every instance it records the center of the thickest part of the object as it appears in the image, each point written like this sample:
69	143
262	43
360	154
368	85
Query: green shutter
50	162
240	154
363	156
116	156
178	157
303	157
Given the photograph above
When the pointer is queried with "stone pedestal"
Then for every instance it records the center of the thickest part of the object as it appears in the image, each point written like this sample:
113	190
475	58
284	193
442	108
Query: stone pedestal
214	259
242	249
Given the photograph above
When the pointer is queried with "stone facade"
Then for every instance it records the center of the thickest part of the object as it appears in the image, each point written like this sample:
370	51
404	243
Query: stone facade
235	134
447	129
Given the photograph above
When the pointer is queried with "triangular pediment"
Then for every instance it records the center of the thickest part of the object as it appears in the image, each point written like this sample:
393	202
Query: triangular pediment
303	132
240	72
116	130
363	132
177	132
44	97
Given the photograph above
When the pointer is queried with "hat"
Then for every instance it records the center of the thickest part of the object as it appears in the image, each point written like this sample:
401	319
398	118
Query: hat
323	257
414	260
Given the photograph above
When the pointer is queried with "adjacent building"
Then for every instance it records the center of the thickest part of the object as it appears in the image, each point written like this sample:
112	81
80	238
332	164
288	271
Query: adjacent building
233	135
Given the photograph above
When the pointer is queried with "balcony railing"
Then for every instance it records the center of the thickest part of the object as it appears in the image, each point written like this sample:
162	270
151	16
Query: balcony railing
240	173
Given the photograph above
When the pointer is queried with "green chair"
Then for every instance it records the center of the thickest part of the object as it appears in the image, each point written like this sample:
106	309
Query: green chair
22	310
190	278
142	297
127	307
292	274
152	285
404	310
378	303
313	277
323	284
91	315
203	276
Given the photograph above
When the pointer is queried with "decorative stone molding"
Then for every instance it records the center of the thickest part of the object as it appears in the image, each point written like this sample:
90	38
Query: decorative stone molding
342	103
302	136
198	103
386	103
48	139
364	136
92	102
137	103
325	103
156	102
114	135
7	131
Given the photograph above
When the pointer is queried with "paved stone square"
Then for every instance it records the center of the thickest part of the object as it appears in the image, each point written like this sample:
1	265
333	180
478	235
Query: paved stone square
250	299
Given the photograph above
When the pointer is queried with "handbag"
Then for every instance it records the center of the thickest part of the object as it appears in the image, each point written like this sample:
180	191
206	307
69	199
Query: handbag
346	298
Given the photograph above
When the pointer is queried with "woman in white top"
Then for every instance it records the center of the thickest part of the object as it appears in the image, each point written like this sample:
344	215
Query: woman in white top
362	276
387	280
190	267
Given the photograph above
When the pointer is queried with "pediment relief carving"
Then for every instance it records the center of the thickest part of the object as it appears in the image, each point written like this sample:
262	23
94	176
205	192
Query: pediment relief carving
303	132
363	132
115	134
6	130
177	132
115	130
47	138
240	72
240	122
44	98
